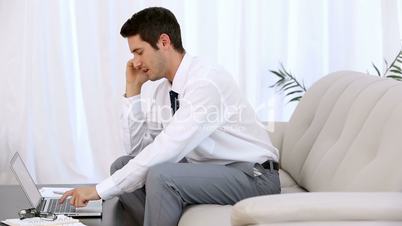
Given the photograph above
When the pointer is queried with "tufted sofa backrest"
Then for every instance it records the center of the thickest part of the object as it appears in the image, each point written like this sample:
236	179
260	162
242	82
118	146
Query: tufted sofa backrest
346	135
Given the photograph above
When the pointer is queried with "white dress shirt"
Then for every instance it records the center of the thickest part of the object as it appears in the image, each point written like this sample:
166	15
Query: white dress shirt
214	124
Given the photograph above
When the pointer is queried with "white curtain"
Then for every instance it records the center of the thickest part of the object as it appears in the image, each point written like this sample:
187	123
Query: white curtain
62	66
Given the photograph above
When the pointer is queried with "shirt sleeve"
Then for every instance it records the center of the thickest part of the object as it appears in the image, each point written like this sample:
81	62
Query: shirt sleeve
199	115
137	133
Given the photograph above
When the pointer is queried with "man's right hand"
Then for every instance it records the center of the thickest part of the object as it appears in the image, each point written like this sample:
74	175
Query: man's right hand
135	78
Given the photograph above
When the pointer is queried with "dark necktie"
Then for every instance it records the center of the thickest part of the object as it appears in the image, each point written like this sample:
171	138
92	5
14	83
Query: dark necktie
174	101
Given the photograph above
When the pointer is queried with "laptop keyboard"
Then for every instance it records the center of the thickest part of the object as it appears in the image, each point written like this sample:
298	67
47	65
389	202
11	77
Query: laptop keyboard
56	207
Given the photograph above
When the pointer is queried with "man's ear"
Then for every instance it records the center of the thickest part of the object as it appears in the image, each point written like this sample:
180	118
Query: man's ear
164	41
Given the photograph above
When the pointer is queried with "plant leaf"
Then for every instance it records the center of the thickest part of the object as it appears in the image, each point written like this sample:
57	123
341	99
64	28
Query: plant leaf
295	99
277	83
396	71
396	77
277	74
376	69
288	84
297	91
397	67
290	87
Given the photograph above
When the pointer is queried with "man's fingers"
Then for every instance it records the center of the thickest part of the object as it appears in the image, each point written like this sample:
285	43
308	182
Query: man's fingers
72	200
130	62
65	195
80	196
77	201
81	203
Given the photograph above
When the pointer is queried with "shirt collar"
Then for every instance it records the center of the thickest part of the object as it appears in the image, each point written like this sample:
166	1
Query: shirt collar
181	75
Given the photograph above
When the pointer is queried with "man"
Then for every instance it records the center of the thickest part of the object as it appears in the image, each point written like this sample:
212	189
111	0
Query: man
210	125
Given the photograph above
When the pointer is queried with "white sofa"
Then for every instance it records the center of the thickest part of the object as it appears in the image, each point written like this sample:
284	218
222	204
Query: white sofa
341	160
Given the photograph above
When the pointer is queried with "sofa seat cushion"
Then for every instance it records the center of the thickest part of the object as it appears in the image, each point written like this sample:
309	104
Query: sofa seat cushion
211	215
202	215
318	207
288	185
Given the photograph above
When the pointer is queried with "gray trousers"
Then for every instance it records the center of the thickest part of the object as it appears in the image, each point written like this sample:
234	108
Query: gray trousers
170	187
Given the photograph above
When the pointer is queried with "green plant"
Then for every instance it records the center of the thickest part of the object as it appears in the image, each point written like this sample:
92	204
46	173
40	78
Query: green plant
294	89
392	71
288	84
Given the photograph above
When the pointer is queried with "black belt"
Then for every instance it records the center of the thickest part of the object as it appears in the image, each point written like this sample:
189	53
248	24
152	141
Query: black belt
270	165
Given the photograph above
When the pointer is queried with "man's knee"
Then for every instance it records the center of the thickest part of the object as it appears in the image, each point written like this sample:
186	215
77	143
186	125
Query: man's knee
158	174
119	163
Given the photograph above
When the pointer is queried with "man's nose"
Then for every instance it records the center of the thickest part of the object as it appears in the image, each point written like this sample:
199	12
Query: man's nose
137	62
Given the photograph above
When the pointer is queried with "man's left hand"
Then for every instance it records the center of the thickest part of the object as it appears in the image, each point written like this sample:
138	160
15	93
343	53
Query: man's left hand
80	196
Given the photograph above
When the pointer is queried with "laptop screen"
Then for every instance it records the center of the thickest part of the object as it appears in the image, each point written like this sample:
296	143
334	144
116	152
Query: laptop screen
26	181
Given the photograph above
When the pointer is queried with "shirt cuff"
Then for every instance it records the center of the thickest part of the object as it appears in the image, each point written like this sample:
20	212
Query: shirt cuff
131	104
108	189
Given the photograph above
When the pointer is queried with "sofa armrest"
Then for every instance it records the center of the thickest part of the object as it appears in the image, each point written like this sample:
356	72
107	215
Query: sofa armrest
276	131
318	206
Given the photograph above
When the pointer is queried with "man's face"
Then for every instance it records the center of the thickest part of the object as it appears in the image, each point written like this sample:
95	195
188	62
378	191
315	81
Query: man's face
147	59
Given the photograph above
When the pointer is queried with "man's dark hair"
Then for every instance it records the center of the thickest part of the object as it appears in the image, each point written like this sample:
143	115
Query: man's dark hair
150	23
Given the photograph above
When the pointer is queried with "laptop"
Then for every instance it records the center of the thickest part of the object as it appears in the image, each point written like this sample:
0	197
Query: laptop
49	205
